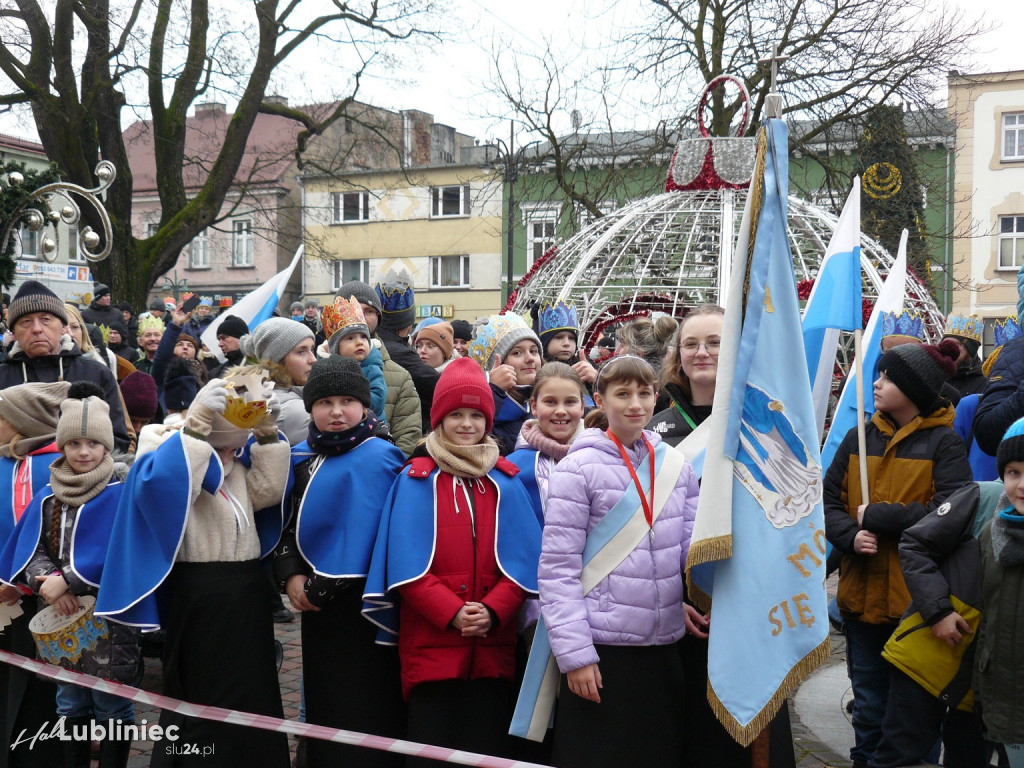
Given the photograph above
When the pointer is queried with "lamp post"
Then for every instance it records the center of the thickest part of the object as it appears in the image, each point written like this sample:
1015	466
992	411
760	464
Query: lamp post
175	286
512	160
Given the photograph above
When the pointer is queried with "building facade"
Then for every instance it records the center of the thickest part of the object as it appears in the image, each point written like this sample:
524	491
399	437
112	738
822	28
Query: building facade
435	214
988	205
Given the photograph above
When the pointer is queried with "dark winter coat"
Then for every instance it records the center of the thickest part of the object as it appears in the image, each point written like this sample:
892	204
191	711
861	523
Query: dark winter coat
911	470
100	315
671	425
424	377
969	379
69	365
1002	401
940	557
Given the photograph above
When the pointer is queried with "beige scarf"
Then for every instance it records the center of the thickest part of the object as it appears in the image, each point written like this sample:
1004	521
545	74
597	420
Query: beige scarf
462	460
74	489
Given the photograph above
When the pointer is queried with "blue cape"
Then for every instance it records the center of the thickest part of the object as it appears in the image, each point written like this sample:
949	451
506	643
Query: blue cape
404	549
39	471
90	536
337	539
526	459
150	526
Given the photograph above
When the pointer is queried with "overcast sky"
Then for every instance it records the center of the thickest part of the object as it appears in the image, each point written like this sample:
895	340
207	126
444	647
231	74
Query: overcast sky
449	80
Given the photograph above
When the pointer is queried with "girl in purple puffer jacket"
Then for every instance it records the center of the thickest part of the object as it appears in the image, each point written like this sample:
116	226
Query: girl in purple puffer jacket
618	519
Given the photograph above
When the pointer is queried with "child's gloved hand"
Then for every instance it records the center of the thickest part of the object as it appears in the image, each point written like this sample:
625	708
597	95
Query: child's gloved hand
209	401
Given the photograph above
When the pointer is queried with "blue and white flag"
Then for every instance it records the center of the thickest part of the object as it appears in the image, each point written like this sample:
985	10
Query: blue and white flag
758	547
254	307
834	304
890	299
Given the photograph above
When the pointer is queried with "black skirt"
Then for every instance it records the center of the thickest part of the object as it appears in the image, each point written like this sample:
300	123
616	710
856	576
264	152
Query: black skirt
351	682
27	702
219	651
715	746
639	720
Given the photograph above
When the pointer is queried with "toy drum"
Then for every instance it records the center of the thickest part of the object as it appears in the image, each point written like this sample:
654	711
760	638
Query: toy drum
62	640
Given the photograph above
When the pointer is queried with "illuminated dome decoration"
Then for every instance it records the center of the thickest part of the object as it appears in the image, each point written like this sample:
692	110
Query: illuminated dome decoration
674	251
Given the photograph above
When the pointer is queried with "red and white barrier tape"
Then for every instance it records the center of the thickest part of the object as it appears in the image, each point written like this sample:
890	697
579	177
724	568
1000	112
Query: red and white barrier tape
220	715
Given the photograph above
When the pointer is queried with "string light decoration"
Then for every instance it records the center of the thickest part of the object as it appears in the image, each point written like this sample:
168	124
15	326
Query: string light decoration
39	202
674	251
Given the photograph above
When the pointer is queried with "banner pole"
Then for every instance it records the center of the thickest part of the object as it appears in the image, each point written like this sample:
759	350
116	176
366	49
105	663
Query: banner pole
858	361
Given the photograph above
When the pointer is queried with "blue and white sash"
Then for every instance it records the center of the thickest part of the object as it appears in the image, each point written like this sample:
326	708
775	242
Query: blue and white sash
618	533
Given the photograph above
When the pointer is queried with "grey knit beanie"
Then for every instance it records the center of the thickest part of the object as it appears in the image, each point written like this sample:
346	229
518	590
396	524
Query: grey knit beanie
31	409
362	292
274	338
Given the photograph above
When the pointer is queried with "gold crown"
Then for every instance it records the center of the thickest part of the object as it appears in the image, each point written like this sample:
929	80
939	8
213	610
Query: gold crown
344	313
246	407
150	323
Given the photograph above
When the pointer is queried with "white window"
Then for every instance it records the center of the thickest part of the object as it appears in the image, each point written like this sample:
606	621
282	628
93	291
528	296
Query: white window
449	272
349	270
199	251
351	206
1013	136
540	221
241	243
29	240
1011	241
75	255
584	218
151	229
449	201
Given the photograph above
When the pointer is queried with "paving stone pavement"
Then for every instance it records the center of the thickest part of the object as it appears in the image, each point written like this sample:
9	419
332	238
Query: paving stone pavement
810	751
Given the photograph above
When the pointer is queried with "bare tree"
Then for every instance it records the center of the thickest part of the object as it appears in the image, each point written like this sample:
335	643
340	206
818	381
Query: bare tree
161	57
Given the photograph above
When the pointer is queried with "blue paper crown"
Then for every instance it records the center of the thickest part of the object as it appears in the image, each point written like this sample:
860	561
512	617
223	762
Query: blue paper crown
965	327
906	323
396	295
560	316
1006	330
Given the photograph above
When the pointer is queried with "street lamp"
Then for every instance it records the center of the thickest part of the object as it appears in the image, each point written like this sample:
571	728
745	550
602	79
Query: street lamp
512	159
175	286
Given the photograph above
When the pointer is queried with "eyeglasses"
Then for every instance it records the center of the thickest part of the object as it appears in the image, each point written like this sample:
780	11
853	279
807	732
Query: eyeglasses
690	348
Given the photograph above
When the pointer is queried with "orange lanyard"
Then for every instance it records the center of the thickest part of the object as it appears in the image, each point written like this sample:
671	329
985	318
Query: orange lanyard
648	504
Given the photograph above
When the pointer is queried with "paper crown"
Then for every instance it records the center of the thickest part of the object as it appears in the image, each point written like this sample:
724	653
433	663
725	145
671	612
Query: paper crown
965	327
906	323
1006	329
150	324
246	406
558	316
105	333
499	334
396	293
344	313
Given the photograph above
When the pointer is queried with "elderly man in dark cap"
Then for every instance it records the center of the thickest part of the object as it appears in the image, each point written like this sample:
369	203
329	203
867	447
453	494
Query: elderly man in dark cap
42	351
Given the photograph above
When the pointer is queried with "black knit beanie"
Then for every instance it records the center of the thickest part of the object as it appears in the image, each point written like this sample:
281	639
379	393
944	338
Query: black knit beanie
333	376
1012	446
462	329
232	326
920	370
180	385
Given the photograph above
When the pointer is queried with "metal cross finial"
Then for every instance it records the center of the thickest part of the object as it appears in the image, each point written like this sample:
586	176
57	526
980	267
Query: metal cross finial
773	104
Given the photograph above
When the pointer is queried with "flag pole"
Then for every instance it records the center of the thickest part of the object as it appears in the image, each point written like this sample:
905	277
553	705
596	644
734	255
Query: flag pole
858	362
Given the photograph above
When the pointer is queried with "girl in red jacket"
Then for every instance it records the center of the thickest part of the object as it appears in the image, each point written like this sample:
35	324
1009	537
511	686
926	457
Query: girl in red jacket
459	542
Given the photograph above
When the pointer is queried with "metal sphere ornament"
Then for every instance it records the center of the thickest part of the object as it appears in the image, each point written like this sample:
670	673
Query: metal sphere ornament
14	178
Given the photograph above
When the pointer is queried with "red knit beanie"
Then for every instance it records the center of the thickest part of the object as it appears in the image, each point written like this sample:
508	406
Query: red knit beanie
462	385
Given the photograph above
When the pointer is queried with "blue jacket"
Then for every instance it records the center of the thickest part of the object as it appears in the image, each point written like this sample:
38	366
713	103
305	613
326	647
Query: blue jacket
1002	402
373	370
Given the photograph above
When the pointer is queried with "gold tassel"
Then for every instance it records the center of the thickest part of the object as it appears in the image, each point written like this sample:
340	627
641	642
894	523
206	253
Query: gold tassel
745	734
705	551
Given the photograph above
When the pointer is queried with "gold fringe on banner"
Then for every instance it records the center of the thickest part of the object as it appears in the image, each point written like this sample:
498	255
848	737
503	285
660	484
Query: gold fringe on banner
705	551
745	734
